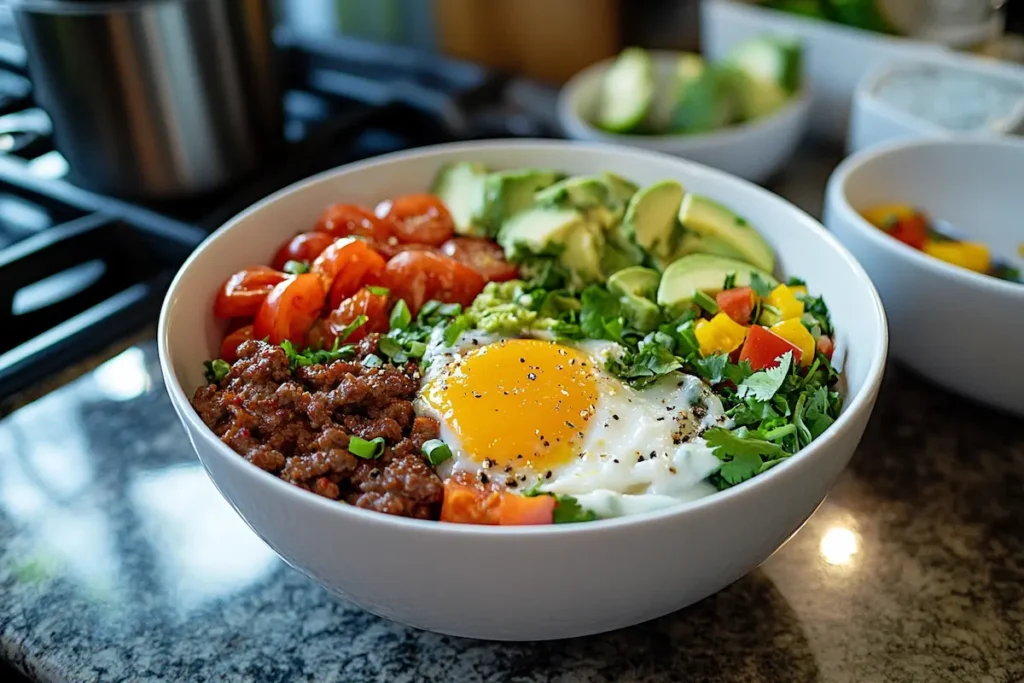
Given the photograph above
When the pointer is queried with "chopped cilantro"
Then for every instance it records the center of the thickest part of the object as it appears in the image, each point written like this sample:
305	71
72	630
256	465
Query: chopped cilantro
712	368
400	316
569	511
600	314
760	285
352	327
316	356
216	370
795	282
730	281
740	468
763	385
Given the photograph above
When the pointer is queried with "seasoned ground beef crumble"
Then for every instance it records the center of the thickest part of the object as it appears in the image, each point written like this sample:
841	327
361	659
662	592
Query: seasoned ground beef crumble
297	426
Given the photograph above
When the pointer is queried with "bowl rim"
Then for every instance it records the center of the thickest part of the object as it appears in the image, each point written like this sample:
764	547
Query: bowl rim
837	199
854	406
569	110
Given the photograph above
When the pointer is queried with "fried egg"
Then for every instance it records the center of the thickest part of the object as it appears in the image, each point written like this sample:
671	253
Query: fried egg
538	412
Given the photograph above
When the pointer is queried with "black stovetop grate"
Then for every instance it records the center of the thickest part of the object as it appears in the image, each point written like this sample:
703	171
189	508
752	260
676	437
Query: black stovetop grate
79	270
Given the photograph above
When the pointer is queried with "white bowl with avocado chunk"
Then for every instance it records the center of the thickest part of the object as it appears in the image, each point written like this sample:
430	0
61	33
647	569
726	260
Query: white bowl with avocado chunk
566	580
745	115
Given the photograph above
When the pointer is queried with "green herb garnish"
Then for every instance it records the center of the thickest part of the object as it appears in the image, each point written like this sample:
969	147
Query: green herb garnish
347	331
705	302
216	370
730	281
367	450
313	356
296	267
378	291
760	286
400	316
436	451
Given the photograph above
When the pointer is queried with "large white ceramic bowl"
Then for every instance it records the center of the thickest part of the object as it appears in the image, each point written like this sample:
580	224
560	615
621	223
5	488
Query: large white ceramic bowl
960	329
525	583
753	150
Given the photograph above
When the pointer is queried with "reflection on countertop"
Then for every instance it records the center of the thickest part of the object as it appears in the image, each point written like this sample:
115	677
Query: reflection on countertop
120	561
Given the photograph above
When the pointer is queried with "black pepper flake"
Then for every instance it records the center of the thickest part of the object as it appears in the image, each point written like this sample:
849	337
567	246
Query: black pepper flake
615	460
531	376
522	360
661	419
654	454
559	367
546	442
483	478
374	474
615	417
561	352
681	384
579	434
475	342
519	457
508	468
505	392
570	425
488	463
547	475
672	470
511	483
476	395
572	361
522	477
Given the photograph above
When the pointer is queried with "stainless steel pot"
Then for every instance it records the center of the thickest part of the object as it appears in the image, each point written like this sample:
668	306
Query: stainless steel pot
155	98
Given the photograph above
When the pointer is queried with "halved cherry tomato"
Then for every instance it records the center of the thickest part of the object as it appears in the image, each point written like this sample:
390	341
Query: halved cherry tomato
364	302
303	247
516	510
483	256
393	248
290	309
419	218
763	348
229	347
825	346
343	220
243	293
469	504
737	303
911	230
419	276
345	266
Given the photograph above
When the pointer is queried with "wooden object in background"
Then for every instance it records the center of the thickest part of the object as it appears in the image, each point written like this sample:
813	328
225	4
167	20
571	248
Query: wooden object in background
545	39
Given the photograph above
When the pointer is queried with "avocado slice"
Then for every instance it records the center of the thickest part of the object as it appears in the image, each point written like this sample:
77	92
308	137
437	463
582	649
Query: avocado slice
709	219
651	216
705	273
620	252
581	254
635	280
705	98
770	59
460	186
506	193
539	230
627	91
620	190
581	192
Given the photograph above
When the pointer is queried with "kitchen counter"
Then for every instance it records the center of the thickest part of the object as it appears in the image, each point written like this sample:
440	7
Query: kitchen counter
119	561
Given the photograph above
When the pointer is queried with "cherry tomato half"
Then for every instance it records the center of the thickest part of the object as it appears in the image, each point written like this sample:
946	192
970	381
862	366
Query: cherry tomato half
303	247
483	256
393	248
364	302
229	347
737	303
419	218
343	220
419	276
290	309
345	266
243	293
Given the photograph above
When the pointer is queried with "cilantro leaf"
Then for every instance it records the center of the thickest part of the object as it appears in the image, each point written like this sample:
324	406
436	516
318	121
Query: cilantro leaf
455	329
712	368
738	372
216	370
760	285
740	468
725	444
600	314
816	310
763	385
645	365
569	511
311	356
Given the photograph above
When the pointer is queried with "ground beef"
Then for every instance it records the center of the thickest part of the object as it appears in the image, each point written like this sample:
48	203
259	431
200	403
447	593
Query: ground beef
297	426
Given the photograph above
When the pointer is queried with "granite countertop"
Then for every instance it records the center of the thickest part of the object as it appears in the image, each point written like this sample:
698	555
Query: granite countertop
119	561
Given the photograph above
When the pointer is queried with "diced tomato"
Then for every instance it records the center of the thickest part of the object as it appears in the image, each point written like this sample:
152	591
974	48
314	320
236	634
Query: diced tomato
345	266
483	256
469	504
737	303
242	294
229	347
290	309
825	346
763	348
911	230
517	510
419	218
393	248
364	302
419	276
304	247
344	220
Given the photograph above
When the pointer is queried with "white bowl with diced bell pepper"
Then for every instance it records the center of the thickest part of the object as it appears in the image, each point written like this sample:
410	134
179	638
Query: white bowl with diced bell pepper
744	115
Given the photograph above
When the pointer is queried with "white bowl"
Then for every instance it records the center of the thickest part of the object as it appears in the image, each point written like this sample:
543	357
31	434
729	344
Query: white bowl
525	583
752	150
874	121
836	57
960	329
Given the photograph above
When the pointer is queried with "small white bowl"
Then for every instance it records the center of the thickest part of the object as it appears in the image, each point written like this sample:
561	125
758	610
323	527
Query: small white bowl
960	329
525	583
874	121
752	150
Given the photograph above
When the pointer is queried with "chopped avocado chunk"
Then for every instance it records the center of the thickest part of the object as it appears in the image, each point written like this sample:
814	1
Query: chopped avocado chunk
582	255
709	219
770	59
620	252
705	273
507	193
705	100
461	187
627	91
636	280
620	190
651	216
756	98
539	230
581	192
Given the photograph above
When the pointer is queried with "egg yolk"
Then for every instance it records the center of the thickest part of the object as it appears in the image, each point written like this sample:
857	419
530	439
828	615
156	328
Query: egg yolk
520	401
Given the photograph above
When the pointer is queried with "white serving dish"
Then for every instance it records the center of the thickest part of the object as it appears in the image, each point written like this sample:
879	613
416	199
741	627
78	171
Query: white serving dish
836	57
753	150
525	583
874	121
960	329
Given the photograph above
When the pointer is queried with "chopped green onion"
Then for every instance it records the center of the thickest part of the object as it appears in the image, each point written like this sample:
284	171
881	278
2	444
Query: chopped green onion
436	451
378	291
353	326
730	281
373	361
296	267
449	310
416	349
391	348
216	370
705	302
367	450
400	316
456	328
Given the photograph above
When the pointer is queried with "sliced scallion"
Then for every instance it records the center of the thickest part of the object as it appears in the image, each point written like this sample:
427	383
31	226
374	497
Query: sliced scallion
705	302
367	450
436	451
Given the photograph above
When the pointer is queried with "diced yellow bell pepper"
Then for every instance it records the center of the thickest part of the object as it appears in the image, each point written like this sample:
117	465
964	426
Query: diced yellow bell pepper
969	255
721	334
799	289
794	332
784	300
886	215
